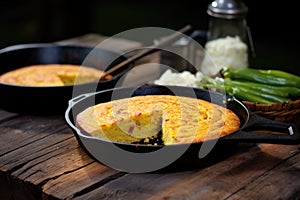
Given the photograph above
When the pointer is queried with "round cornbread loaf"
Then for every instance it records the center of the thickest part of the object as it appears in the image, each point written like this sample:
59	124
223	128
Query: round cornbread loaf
51	75
179	120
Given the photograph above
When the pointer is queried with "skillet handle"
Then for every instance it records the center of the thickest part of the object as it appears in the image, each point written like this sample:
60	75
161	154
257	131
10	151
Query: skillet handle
78	98
263	130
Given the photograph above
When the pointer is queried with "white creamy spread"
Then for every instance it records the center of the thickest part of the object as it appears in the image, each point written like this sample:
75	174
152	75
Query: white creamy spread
224	52
184	78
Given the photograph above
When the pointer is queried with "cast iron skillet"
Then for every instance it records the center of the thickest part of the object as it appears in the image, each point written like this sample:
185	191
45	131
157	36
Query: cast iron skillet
52	100
149	158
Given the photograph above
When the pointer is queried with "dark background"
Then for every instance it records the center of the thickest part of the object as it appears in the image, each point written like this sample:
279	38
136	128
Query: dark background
273	24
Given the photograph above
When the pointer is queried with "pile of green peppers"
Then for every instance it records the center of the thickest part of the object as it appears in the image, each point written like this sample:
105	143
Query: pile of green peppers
260	86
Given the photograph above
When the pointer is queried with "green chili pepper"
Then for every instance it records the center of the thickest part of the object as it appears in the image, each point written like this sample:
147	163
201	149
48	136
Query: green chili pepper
280	73
254	75
247	94
283	91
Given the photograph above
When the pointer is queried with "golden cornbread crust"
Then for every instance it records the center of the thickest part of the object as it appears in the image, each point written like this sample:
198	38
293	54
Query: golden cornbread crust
51	75
179	119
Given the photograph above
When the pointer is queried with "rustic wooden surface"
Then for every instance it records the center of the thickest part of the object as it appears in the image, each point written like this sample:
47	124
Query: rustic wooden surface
41	159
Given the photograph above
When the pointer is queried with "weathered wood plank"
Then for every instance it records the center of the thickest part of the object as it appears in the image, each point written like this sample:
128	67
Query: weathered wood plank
51	145
84	179
282	182
27	129
53	164
132	186
218	181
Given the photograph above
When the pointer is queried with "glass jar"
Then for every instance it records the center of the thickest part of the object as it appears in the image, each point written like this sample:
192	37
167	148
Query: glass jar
226	44
227	18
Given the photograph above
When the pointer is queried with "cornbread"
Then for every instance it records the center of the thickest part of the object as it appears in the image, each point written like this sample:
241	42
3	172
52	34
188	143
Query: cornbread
51	75
178	119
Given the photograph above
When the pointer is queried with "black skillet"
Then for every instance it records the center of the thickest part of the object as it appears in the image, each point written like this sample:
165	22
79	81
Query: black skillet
149	158
52	100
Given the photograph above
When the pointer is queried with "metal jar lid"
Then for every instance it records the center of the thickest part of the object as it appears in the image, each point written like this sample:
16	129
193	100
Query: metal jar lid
228	9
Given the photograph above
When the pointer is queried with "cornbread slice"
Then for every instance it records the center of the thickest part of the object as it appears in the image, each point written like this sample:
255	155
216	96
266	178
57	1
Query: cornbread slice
119	121
180	119
51	75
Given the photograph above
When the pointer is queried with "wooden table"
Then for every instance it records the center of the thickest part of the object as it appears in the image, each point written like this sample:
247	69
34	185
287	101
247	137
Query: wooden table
41	159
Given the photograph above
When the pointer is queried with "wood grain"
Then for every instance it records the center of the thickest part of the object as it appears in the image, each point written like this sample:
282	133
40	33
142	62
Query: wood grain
220	181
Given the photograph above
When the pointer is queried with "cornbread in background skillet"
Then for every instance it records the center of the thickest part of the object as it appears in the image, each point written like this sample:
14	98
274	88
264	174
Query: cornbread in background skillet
51	75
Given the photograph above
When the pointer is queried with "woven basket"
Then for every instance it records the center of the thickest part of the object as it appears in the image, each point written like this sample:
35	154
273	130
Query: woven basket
284	112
